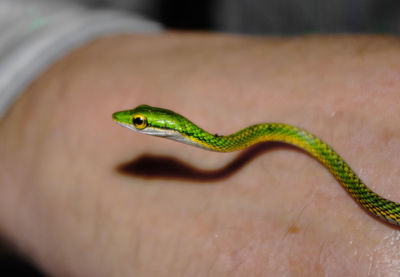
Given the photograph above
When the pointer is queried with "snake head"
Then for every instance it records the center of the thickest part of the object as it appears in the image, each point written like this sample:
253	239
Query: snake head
152	121
163	123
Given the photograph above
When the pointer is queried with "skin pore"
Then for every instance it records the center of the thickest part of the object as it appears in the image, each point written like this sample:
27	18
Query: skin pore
64	206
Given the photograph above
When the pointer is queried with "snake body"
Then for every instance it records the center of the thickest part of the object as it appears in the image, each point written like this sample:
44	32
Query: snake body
166	123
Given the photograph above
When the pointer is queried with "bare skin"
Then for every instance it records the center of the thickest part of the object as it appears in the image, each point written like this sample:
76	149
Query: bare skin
63	204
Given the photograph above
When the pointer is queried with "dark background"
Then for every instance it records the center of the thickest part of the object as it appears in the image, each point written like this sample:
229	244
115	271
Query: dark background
282	17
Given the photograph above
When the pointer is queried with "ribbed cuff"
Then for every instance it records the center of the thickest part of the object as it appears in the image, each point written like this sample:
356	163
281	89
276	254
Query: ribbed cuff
29	44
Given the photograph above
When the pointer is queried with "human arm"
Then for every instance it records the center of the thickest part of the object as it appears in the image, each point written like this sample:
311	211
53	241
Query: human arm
64	205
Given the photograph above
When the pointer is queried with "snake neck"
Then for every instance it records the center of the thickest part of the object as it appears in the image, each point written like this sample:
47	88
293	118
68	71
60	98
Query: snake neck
255	134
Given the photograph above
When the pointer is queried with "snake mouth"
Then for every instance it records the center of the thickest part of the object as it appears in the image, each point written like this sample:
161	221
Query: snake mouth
129	126
171	134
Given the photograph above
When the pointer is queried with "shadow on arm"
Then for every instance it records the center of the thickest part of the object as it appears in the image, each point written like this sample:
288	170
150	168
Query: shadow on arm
167	167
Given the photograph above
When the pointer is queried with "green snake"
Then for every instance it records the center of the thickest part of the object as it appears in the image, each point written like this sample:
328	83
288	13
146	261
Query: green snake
168	124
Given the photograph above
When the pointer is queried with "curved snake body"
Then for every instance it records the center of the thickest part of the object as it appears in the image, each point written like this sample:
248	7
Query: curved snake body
168	124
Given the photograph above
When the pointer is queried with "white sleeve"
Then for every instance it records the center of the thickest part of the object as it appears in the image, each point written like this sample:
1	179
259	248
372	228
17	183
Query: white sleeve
34	33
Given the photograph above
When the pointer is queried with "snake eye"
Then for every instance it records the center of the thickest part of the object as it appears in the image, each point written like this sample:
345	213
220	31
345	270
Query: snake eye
139	121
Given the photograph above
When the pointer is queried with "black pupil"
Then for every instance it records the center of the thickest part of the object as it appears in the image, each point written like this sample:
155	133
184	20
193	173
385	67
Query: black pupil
138	121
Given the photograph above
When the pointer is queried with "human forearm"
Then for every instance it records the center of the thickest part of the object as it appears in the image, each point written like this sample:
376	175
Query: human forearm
64	204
